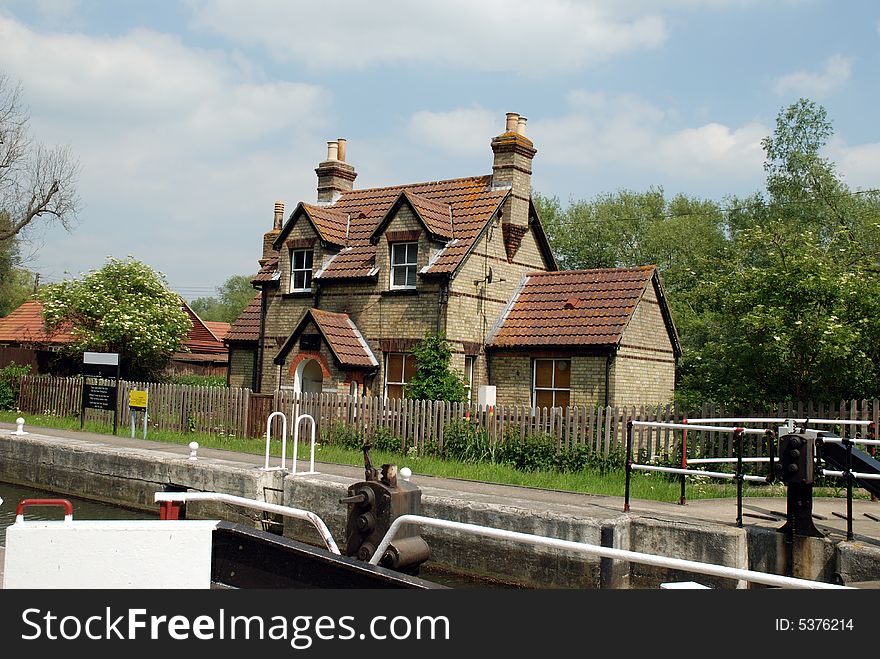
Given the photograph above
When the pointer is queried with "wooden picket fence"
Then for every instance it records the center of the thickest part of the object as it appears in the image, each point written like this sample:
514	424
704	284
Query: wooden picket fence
416	423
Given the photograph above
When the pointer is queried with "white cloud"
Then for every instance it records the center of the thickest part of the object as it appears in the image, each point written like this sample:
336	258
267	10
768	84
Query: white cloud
183	151
465	131
490	35
836	74
601	131
858	164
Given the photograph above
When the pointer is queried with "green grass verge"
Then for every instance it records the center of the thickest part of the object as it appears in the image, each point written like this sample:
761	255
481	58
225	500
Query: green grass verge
645	485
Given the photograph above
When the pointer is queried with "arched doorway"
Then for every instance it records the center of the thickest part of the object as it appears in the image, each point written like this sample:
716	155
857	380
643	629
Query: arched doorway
309	377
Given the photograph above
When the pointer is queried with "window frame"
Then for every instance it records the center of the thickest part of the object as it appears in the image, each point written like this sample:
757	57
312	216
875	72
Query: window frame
470	362
397	383
406	265
306	271
552	388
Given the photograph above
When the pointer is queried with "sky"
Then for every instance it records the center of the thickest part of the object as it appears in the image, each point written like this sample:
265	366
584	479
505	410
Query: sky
191	118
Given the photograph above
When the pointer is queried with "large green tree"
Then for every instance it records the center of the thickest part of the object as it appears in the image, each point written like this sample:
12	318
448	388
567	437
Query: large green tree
775	295
233	296
793	312
123	307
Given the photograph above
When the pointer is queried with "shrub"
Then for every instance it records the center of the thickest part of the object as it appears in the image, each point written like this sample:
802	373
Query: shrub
200	380
10	384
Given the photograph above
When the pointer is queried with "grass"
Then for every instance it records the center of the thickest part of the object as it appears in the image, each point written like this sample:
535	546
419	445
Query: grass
644	485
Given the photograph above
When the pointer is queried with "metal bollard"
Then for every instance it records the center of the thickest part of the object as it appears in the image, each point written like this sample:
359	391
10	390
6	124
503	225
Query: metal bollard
193	449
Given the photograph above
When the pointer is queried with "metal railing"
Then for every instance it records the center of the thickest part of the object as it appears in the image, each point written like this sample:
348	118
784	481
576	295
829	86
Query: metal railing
604	552
287	511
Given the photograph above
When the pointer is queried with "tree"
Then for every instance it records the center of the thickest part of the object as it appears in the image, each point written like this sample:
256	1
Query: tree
124	307
16	283
234	295
793	312
36	182
433	379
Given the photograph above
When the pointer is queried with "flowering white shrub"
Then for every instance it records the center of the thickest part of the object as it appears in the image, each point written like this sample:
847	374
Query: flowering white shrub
124	307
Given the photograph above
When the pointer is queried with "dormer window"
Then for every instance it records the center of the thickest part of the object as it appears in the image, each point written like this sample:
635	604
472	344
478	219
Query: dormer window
301	270
403	265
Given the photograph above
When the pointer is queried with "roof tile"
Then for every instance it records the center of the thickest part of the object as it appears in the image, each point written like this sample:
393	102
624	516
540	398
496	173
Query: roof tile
573	307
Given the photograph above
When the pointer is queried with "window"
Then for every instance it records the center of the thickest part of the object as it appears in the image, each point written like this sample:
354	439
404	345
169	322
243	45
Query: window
469	361
301	269
399	369
551	382
403	265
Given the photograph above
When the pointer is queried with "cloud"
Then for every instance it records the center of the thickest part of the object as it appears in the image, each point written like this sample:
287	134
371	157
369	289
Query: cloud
624	131
488	36
464	131
183	150
858	164
835	75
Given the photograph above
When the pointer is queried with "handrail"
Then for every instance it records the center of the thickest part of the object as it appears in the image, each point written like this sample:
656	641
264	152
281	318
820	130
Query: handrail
296	444
27	503
605	552
287	511
746	419
690	426
283	441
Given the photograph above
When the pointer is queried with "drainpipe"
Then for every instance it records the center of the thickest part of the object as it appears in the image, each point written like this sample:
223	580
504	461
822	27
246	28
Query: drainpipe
612	352
442	302
258	375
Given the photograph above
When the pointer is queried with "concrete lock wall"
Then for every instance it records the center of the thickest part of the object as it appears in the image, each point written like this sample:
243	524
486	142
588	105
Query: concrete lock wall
131	476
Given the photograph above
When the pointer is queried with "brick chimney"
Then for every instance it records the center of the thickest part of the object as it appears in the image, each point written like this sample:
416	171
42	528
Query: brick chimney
512	168
270	236
335	176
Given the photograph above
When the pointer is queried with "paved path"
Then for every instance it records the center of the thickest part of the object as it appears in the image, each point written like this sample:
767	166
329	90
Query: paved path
767	512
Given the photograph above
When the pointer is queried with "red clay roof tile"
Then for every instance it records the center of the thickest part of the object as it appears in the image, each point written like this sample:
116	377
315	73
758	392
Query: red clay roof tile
573	307
359	212
24	325
344	339
246	327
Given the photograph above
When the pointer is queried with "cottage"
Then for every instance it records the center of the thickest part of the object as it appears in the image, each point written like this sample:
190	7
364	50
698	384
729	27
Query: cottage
349	284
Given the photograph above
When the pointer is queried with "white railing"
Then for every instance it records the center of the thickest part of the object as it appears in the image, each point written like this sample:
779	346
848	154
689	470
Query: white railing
266	467
604	552
287	511
311	420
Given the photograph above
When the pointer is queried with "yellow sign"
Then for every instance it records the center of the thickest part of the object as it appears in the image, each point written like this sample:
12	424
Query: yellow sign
137	399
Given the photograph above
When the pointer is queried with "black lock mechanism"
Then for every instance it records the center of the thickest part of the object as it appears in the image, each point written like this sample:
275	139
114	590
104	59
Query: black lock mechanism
373	505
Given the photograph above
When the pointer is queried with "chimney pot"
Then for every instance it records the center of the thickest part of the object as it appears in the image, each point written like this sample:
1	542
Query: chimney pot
279	215
512	118
333	150
340	151
521	126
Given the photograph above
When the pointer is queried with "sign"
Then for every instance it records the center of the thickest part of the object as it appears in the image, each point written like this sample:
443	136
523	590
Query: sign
101	364
137	400
99	397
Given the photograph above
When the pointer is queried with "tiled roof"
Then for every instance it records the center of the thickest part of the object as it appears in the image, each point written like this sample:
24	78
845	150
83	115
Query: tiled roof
25	325
246	327
330	223
344	339
351	262
572	308
217	328
268	272
472	200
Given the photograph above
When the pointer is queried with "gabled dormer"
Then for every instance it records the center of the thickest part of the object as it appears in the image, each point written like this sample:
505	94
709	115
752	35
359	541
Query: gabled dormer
409	235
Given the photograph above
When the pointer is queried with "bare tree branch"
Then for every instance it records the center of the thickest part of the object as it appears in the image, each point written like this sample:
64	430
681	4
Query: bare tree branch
36	182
